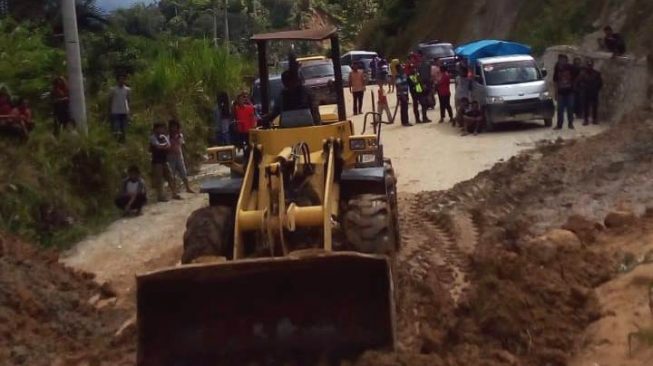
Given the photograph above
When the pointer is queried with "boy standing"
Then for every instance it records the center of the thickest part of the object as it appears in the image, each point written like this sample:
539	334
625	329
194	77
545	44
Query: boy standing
119	108
133	195
382	104
159	147
176	153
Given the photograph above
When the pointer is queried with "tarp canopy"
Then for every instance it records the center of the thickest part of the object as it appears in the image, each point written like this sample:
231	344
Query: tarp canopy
491	48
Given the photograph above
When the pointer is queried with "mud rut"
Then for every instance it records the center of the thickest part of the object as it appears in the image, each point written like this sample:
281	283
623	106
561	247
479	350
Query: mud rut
436	252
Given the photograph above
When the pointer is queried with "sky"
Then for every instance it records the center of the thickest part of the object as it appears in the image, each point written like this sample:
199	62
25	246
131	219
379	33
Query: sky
115	4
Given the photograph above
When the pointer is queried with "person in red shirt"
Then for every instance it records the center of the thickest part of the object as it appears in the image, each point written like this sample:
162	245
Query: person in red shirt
444	94
60	99
245	116
23	114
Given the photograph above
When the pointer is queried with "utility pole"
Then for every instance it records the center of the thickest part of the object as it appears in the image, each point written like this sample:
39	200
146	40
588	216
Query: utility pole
74	63
226	24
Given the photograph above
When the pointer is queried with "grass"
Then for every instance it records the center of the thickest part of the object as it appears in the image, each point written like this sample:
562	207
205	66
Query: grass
55	191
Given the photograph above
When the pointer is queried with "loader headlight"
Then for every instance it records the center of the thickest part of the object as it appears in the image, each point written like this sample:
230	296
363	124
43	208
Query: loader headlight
222	154
357	144
225	156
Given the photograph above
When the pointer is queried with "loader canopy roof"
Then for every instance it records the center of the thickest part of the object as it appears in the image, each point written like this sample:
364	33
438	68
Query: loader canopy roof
317	34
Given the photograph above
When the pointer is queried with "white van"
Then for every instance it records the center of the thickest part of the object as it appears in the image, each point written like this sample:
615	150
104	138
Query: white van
512	88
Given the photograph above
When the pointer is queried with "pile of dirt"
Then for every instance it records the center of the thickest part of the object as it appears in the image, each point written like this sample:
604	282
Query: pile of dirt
483	279
52	315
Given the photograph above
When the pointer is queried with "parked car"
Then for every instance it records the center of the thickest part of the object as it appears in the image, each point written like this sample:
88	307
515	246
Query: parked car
319	77
442	51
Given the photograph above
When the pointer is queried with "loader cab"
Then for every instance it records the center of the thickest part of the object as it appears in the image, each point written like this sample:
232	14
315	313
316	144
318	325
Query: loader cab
316	35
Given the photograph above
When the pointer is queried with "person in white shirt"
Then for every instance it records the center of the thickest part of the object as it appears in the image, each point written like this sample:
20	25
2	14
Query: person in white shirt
119	108
133	194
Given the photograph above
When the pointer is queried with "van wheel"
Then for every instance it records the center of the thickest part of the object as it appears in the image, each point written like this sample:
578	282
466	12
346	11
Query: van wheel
489	124
548	122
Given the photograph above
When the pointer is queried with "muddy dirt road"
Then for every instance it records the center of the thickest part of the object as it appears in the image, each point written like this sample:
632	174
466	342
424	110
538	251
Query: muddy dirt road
426	157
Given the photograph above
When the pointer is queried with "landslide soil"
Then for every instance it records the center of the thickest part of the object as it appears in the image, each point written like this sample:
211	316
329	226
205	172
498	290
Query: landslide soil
469	290
45	314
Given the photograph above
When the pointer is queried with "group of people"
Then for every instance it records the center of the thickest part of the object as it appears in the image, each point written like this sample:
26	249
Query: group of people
166	145
419	79
577	89
15	117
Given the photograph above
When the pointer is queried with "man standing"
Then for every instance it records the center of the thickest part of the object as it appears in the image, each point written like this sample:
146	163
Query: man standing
564	82
444	93
402	95
417	93
590	83
119	108
424	70
357	87
613	42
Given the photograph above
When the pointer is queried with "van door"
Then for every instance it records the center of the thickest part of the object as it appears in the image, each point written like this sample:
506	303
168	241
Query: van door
478	86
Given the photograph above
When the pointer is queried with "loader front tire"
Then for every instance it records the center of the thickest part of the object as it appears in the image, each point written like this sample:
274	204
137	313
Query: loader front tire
369	225
209	232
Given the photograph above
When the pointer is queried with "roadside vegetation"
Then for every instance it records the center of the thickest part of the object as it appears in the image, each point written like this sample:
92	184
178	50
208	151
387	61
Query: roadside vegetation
57	190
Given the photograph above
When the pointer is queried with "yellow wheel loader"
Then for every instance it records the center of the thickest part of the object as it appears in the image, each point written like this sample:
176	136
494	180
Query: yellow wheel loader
290	264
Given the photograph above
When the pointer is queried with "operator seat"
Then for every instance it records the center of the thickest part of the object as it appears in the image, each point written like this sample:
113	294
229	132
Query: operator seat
297	118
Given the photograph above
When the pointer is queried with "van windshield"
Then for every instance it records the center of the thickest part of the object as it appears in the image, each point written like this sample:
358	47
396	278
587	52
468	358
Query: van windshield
511	73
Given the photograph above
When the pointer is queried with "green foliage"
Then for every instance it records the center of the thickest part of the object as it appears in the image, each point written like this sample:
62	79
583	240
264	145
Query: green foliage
554	22
57	190
27	64
193	69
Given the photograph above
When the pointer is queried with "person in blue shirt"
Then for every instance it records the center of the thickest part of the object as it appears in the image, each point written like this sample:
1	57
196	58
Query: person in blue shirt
403	90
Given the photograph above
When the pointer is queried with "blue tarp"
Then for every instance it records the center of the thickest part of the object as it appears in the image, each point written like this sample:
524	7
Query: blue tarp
491	48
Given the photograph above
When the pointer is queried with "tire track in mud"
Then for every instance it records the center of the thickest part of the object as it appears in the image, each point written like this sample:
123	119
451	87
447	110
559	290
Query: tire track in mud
435	257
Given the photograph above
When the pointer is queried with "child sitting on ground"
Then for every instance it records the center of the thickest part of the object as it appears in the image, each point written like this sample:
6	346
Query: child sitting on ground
133	195
473	119
460	112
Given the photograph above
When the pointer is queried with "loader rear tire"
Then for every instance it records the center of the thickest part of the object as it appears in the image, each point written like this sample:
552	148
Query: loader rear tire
369	225
209	232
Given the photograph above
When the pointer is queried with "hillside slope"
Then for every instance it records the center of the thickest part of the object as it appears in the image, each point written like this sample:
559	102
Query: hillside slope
401	24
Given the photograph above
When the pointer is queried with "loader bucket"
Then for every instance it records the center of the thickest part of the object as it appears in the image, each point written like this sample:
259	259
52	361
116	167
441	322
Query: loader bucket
273	311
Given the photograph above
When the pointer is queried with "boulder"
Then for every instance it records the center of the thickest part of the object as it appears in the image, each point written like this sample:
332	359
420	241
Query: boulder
564	239
544	248
105	303
619	219
541	249
584	229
